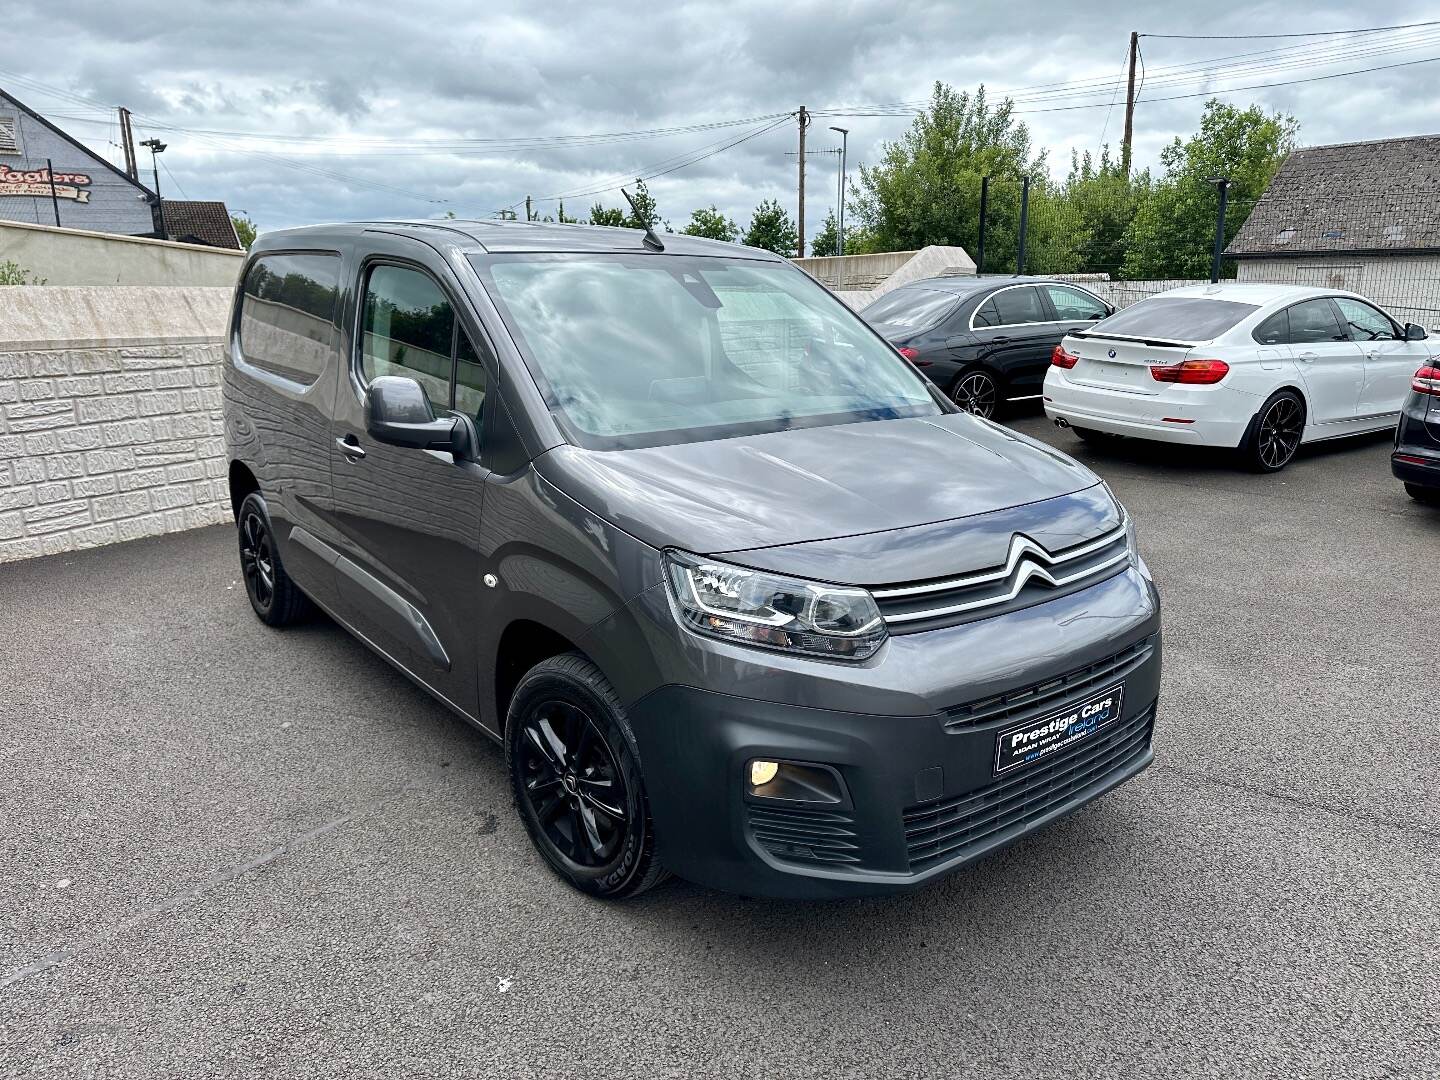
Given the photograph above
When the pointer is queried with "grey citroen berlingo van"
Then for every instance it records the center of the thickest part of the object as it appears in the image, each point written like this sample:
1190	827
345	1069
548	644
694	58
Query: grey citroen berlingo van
744	597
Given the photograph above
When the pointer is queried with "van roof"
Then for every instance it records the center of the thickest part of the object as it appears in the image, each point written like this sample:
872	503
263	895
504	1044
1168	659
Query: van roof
518	236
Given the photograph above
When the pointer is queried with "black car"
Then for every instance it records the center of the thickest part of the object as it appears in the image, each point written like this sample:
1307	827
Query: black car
983	340
1416	460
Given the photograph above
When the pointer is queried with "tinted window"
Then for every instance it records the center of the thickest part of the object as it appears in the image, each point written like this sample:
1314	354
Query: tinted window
1022	305
1314	321
1176	318
287	314
986	314
1365	322
634	350
910	311
470	378
1275	330
408	329
1072	305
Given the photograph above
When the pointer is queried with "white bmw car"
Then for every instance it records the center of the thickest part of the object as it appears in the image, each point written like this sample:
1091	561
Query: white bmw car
1262	368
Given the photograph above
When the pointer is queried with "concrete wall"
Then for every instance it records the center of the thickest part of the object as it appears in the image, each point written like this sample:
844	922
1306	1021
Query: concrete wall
110	415
878	273
77	257
1407	286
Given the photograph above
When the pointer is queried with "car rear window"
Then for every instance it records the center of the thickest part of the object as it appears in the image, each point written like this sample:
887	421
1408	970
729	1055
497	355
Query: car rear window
909	311
287	314
1175	318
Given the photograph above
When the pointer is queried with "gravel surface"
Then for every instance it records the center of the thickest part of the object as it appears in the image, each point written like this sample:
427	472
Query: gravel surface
227	851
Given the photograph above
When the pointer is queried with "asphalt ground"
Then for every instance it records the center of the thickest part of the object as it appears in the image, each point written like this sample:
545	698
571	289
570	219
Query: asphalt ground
230	851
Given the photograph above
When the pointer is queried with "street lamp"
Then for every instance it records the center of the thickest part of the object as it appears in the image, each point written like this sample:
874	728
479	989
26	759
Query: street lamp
156	147
840	203
1223	184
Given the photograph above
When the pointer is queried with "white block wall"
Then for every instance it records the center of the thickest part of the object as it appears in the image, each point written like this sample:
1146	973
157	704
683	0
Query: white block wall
112	429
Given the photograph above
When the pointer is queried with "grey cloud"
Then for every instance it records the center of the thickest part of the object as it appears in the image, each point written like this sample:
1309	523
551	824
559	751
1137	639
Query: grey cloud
435	70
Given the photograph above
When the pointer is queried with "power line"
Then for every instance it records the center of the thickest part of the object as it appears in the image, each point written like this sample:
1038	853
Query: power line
1313	33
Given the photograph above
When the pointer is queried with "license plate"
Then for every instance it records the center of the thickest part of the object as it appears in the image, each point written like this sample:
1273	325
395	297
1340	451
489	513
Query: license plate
1033	740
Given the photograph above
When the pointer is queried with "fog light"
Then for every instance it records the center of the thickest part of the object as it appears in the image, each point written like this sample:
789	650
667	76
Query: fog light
762	772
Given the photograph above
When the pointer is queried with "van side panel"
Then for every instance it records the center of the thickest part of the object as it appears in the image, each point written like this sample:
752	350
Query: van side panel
277	421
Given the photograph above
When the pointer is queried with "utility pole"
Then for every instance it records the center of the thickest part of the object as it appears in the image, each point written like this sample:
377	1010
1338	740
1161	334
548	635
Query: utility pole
1129	107
127	144
156	148
1024	225
800	209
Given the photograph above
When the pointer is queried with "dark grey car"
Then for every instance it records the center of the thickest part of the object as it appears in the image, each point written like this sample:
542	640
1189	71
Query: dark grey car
744	597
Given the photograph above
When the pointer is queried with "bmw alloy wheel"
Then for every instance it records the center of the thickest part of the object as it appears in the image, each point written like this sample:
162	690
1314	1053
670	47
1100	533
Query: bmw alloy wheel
1281	426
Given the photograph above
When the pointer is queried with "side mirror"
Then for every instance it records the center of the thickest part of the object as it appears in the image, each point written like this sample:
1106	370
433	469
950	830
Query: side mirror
1101	315
398	412
1414	332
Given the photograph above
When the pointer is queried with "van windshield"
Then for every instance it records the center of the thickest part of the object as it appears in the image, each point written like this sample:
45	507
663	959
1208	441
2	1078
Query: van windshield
643	350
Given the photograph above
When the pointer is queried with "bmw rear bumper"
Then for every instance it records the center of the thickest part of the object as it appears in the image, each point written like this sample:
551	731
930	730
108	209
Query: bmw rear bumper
1190	415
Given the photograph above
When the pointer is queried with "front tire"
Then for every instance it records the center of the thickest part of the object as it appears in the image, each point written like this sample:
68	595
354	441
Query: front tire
1427	495
1275	433
976	391
575	775
274	597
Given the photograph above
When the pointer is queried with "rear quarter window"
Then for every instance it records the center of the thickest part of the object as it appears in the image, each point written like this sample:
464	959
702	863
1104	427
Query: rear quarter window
287	314
1176	318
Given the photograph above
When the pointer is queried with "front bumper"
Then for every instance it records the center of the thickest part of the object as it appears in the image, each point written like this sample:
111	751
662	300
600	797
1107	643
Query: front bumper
920	800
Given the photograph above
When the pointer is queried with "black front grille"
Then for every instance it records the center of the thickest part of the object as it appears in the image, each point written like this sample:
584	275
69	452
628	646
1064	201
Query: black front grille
810	836
948	828
1052	694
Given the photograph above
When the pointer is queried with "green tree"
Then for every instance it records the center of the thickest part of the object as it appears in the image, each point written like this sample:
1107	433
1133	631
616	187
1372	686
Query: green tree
600	215
713	224
827	240
245	230
1172	233
771	229
926	187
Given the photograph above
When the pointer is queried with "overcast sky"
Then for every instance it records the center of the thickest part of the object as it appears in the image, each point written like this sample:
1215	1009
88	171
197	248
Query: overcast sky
358	93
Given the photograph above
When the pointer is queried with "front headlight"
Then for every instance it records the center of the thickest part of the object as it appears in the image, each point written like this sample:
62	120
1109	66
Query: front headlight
773	611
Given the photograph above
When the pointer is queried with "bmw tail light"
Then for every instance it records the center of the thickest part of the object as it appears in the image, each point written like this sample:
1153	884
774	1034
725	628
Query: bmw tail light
1062	359
1427	381
1191	372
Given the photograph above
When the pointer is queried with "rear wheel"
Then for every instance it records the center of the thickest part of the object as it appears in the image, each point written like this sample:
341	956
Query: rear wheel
276	599
575	773
976	391
1275	432
1427	495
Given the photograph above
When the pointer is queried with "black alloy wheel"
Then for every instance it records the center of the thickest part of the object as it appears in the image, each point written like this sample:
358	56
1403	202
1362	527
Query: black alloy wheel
1278	428
257	559
276	599
573	784
575	774
975	392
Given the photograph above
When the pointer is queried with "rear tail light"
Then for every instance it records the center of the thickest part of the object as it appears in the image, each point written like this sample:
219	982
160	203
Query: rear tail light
1193	372
1062	359
1427	381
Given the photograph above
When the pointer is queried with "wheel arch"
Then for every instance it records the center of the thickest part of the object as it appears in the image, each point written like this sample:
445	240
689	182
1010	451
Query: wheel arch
242	483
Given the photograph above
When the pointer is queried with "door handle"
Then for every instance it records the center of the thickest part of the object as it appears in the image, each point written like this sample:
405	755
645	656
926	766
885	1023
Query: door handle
999	341
1306	357
350	447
